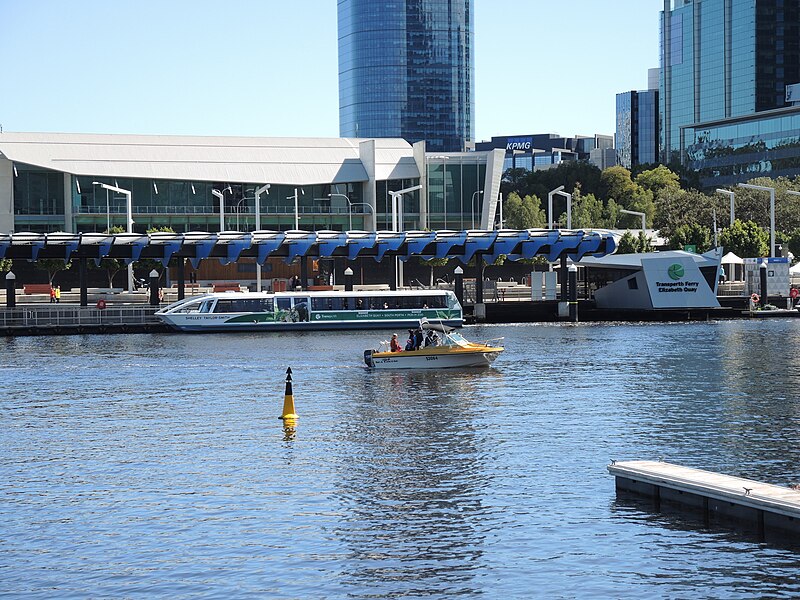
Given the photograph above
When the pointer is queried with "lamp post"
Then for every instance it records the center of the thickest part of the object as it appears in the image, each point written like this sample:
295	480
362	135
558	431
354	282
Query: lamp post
129	207
238	205
730	194
569	206
397	221
296	208
641	214
474	194
771	191
550	195
264	189
221	196
349	207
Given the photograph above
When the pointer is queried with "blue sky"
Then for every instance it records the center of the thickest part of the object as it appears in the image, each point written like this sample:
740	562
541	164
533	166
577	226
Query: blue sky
269	67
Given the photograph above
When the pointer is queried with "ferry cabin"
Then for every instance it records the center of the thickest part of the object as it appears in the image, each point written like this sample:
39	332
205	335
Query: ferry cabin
263	311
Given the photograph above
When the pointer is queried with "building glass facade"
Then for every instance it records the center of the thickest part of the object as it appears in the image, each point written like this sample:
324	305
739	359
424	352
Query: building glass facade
406	69
724	60
637	128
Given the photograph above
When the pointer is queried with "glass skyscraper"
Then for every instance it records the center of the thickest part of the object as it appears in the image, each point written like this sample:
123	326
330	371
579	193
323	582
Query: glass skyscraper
725	67
406	70
637	128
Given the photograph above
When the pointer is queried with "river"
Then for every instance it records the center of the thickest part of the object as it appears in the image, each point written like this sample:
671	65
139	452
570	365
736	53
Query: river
155	465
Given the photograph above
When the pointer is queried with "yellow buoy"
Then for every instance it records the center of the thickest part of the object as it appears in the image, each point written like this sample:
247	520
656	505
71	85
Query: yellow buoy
288	401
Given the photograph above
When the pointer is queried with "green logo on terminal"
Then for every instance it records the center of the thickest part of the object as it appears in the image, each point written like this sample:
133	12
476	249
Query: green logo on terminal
675	272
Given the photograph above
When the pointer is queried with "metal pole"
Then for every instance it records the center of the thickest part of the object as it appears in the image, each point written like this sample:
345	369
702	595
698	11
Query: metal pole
154	301
459	284
348	279
83	268
296	211
764	290
573	293
11	291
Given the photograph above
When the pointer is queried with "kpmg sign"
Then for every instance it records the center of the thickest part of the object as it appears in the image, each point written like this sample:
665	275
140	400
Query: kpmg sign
519	143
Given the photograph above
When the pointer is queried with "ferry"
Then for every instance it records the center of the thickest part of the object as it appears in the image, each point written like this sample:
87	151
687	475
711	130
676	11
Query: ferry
311	311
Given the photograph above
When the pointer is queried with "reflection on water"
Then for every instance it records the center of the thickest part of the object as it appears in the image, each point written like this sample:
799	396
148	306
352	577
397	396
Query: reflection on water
155	464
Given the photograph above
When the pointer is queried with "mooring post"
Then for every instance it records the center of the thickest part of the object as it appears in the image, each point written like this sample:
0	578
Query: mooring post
153	288
764	291
303	273
348	279
573	293
11	290
562	275
182	278
459	284
83	273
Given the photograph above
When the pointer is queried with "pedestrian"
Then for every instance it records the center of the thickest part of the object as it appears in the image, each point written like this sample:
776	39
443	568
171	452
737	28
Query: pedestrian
58	293
52	294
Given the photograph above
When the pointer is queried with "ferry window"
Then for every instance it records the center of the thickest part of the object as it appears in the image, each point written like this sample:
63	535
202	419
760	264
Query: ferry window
437	302
319	304
206	306
335	304
633	284
301	309
359	303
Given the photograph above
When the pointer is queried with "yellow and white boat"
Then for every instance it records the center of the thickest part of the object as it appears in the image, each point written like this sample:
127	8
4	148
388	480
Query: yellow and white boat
443	348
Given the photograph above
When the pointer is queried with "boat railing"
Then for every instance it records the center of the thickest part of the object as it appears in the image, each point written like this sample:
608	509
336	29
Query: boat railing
497	342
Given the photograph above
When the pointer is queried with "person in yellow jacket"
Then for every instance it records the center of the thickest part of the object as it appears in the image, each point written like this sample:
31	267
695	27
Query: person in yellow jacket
58	293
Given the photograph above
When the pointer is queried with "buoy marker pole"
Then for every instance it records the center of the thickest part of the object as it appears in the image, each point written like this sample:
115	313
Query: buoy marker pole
288	400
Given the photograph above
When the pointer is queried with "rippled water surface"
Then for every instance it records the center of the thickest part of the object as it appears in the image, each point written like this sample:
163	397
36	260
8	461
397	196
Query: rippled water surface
155	465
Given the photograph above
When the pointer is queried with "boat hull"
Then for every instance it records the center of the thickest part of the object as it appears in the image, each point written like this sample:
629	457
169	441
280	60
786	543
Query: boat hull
432	359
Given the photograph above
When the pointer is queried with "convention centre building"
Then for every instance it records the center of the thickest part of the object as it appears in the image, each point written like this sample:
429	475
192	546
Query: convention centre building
88	183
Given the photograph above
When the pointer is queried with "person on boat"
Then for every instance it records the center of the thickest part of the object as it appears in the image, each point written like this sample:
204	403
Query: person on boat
411	339
395	345
431	339
419	339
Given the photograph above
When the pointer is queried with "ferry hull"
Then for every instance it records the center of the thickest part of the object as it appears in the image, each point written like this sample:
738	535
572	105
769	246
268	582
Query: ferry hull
219	323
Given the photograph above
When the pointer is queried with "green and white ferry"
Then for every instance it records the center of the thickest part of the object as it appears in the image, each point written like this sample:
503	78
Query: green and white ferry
312	311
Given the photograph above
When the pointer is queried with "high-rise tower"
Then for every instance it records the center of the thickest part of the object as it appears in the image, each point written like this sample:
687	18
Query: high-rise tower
724	61
406	69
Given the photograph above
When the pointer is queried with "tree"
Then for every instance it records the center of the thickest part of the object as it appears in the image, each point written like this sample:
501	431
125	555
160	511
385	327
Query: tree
433	263
628	244
149	264
694	234
52	266
111	266
658	179
793	240
523	213
632	244
745	239
5	265
587	211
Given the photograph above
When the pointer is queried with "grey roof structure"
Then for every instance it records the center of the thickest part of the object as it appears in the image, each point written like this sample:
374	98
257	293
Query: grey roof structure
291	161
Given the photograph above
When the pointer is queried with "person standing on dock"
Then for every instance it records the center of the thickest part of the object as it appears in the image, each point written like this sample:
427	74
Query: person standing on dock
52	294
57	292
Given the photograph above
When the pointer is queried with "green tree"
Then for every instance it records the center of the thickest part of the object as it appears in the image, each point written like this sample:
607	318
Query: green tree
111	266
587	211
523	213
745	239
52	266
149	264
793	240
628	244
433	263
5	265
694	234
658	179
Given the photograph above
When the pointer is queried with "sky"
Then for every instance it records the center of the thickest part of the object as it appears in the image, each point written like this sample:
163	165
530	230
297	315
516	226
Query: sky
269	67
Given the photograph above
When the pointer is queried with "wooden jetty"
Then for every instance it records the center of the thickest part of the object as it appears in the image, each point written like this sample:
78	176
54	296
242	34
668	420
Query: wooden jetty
67	319
769	510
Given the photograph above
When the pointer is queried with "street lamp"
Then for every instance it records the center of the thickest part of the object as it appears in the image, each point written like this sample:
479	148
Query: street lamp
296	208
771	191
349	207
397	206
397	219
641	214
474	194
560	192
732	195
264	189
129	207
221	196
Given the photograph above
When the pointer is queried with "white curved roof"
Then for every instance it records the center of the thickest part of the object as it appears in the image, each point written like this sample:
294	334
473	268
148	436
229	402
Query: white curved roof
290	161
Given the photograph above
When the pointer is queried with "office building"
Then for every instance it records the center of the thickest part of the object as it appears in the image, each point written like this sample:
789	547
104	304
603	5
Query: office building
53	182
546	150
726	68
637	128
406	70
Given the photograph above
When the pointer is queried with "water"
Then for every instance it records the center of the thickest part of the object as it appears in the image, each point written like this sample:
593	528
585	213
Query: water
155	465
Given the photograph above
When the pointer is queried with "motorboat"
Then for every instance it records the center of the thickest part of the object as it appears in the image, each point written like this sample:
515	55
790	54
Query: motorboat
438	346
